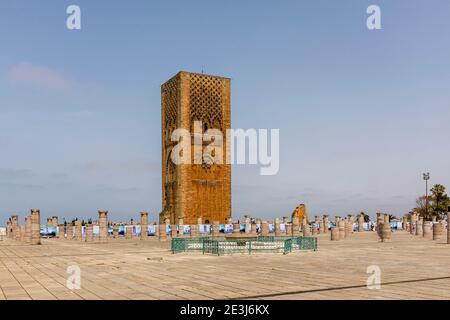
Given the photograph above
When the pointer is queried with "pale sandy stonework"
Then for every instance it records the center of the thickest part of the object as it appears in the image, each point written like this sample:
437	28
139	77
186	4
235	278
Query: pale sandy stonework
412	268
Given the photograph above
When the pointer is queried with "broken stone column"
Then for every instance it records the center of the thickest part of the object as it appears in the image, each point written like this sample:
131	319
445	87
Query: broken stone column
288	229
325	223
55	221
69	231
427	233
380	219
28	229
306	230
386	218
346	228
173	231
360	223
61	233
49	222
295	227
216	228
14	226
317	224
194	231
144	225
115	230
236	227
384	231
128	232
22	233
405	223
264	229
277	227
89	232
413	223
341	229
78	230
419	227
35	226
350	224
254	230
162	232
103	225
437	231
335	234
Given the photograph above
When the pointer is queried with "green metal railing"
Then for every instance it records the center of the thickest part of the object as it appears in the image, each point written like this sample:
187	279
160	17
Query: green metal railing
220	246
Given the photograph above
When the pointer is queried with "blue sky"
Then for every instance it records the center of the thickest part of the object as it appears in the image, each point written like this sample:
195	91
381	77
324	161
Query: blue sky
361	113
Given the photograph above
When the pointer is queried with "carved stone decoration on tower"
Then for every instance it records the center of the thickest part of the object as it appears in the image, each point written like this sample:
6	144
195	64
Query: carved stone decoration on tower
198	103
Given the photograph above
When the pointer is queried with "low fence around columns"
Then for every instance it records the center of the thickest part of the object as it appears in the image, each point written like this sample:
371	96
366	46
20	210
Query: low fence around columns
221	245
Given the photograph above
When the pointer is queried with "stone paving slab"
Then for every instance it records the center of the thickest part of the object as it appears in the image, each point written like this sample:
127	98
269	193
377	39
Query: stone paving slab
411	268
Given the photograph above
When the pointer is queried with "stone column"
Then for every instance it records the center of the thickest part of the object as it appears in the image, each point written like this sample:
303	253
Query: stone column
173	231
55	221
437	231
162	232
346	228
413	224
35	226
360	223
103	225
194	231
49	222
253	231
69	231
277	228
317	224
14	224
419	227
405	223
427	229
341	229
22	233
78	230
61	233
236	227
115	230
335	234
216	229
350	224
386	218
144	225
380	219
89	232
295	227
28	229
264	229
384	231
306	230
128	232
288	229
325	223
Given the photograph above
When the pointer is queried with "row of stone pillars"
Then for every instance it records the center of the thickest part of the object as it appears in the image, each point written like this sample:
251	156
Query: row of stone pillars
29	232
427	229
343	228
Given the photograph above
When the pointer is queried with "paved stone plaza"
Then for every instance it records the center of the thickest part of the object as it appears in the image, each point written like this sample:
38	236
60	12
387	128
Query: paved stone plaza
412	268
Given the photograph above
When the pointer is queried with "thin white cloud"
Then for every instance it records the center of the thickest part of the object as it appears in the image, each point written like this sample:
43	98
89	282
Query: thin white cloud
39	77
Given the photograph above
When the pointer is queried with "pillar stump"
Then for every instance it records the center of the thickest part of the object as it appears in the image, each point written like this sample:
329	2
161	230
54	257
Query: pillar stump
35	226
264	229
334	234
89	232
103	225
162	232
295	227
437	231
144	225
215	229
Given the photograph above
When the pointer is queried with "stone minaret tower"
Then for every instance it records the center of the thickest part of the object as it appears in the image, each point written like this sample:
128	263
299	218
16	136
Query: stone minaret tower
199	189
